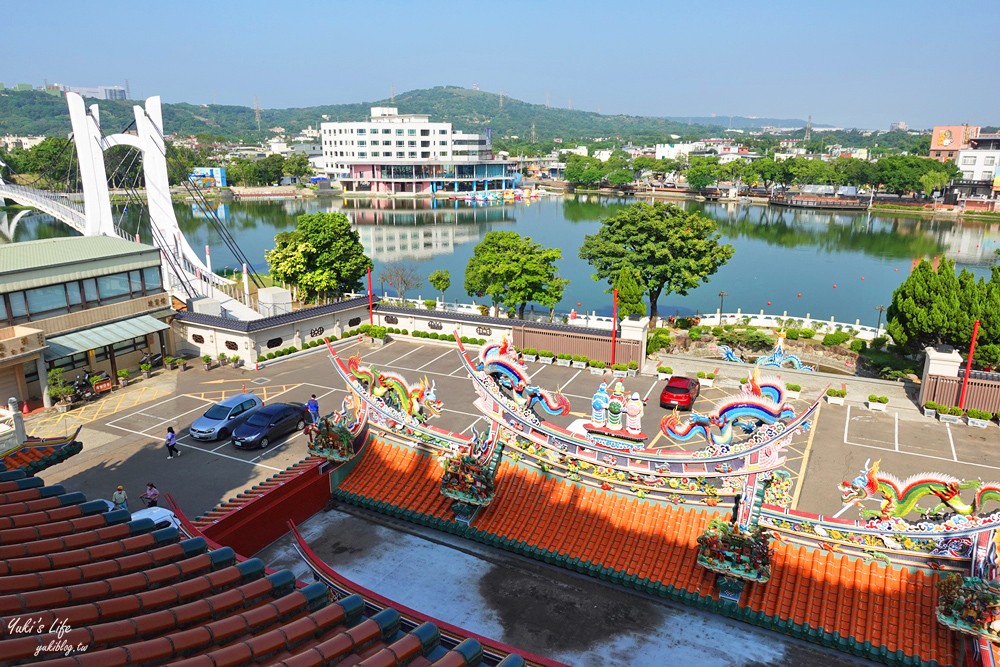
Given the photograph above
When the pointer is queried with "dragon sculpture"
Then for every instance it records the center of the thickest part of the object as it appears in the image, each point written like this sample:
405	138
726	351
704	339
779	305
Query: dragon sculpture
499	360
777	358
760	401
900	497
418	401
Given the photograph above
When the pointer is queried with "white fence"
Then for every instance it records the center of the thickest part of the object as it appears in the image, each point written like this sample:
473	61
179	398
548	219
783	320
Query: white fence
786	321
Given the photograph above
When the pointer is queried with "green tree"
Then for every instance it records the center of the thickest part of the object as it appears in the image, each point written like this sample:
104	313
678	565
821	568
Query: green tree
270	169
582	170
933	181
514	271
440	280
630	294
297	165
702	172
672	249
321	255
768	171
925	306
181	161
621	177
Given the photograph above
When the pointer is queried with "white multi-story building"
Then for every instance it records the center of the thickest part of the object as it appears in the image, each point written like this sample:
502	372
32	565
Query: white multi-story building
978	164
393	153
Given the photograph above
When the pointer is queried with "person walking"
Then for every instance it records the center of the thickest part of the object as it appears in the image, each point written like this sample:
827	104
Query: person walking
171	443
152	495
313	406
120	498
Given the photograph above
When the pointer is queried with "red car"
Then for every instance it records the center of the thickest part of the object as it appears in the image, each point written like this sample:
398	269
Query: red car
680	392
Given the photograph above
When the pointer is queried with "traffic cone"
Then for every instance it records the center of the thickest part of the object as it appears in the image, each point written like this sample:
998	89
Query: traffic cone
244	388
24	408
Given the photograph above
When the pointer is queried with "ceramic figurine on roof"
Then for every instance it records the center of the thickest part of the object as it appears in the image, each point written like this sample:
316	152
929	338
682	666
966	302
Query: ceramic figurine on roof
616	406
499	361
615	414
900	497
416	401
599	403
970	605
726	549
335	436
633	411
777	358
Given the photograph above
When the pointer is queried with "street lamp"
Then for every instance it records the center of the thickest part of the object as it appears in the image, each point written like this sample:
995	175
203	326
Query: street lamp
881	309
722	301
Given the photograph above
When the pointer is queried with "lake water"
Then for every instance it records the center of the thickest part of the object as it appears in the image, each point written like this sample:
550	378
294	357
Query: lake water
826	264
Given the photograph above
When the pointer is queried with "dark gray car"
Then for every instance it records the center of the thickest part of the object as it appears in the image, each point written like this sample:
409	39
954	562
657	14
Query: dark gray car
222	418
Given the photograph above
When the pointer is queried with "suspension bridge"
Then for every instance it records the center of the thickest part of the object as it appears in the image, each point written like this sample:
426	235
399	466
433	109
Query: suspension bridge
186	275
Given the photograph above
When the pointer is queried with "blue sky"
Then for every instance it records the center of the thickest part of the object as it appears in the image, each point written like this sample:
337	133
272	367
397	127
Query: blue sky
851	64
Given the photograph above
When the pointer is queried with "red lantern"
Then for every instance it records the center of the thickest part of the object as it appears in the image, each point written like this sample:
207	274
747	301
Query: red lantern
800	295
769	303
835	286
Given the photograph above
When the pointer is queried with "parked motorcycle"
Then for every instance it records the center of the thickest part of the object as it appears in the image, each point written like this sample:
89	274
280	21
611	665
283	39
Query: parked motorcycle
154	360
95	376
83	390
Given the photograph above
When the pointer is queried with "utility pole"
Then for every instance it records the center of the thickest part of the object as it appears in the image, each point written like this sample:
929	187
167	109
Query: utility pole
256	111
534	135
501	99
809	127
392	93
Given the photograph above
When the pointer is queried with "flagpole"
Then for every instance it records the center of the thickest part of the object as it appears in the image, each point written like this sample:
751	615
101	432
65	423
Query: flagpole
371	314
614	326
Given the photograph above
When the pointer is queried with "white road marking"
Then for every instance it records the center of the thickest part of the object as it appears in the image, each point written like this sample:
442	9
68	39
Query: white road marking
847	422
446	352
460	368
926	456
842	510
205	451
951	441
651	388
390	363
896	436
569	381
470	426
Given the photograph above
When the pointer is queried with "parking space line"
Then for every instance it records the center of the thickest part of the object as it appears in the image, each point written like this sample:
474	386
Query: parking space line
951	441
805	458
434	359
926	456
204	451
847	423
276	448
390	363
460	368
842	510
470	426
896	436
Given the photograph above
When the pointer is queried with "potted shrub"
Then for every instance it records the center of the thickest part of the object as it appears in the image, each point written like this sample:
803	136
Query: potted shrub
707	379
579	361
181	363
545	357
978	418
619	370
836	396
59	390
792	390
145	368
430	304
597	367
951	415
664	372
530	354
633	368
877	403
123	374
234	359
169	363
930	409
207	360
563	359
378	334
223	358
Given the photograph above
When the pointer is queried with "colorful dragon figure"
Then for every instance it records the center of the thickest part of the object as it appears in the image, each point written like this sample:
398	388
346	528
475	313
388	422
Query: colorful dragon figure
499	360
761	402
777	358
419	401
900	496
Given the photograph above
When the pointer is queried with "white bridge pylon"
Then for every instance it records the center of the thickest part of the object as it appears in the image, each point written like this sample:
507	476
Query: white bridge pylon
91	142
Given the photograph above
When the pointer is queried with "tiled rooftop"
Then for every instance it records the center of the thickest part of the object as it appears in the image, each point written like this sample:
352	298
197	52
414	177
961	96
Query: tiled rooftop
134	594
888	608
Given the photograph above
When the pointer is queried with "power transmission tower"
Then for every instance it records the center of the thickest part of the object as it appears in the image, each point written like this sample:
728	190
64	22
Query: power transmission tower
256	111
392	93
809	127
534	135
546	98
570	104
501	99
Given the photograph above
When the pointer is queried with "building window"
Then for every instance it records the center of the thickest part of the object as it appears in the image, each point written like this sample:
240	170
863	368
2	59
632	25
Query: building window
362	142
361	130
399	143
113	288
442	131
18	309
411	144
90	290
49	300
399	153
362	154
387	143
986	175
386	131
967	175
989	161
968	159
151	275
412	133
399	132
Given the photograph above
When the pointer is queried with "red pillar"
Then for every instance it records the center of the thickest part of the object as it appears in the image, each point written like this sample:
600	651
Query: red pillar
614	325
371	314
968	364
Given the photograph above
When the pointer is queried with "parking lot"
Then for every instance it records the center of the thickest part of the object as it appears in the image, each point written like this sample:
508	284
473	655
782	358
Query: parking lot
123	442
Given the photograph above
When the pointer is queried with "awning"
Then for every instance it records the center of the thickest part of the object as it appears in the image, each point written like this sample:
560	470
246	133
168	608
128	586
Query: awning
99	337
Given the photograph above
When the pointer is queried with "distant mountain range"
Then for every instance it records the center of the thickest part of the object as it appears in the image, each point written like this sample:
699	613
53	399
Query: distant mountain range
37	113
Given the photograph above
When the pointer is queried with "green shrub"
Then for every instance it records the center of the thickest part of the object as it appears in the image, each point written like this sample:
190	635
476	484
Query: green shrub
365	329
580	357
717	331
405	332
792	334
701	375
261	357
665	369
836	393
836	338
206	358
594	363
564	356
883	399
545	353
792	387
695	333
980	414
931	405
807	333
528	351
464	340
619	367
955	411
873	398
858	345
270	355
430	304
709	376
633	365
658	341
878	343
743	380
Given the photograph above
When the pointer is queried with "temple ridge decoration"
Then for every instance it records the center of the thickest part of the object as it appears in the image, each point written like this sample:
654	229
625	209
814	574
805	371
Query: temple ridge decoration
336	436
900	497
970	605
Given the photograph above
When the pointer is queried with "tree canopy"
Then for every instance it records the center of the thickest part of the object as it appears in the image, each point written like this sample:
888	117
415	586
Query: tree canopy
514	271
321	255
673	250
630	294
440	280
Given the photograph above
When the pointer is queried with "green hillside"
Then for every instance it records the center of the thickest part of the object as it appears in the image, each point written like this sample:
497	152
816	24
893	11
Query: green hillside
35	113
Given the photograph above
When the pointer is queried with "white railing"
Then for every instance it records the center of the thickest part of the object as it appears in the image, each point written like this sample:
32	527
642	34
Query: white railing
54	205
785	321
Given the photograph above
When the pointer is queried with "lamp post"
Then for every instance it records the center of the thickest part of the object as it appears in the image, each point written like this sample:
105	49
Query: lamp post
881	309
722	303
